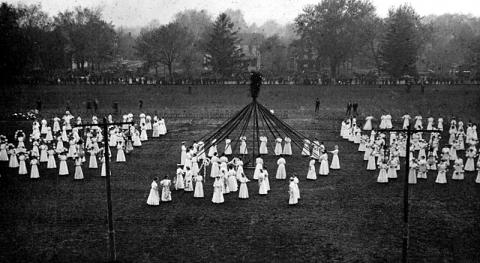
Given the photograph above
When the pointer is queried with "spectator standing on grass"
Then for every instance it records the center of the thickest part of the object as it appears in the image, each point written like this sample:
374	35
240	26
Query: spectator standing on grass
349	108
153	197
293	198
95	105
355	107
39	104
317	105
140	104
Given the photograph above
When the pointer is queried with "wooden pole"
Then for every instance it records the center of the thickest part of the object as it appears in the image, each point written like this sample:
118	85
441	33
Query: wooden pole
111	230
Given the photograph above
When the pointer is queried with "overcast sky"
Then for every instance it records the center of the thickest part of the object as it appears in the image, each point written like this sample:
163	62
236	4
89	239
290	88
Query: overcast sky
140	12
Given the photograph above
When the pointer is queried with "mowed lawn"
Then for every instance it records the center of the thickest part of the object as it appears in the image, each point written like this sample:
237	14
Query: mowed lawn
344	217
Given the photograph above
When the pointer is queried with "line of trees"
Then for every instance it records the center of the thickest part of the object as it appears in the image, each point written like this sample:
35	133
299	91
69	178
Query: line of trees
334	39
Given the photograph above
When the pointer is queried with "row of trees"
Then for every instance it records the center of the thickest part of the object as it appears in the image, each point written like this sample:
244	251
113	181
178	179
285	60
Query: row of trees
325	40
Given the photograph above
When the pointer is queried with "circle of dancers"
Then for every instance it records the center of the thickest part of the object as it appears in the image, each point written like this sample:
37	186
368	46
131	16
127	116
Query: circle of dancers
228	175
383	150
55	144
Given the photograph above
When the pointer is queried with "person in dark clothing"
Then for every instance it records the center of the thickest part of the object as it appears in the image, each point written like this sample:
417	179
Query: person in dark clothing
39	105
355	107
317	105
115	107
349	108
140	104
89	106
95	105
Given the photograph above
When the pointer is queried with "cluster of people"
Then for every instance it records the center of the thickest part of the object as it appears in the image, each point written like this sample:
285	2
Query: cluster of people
426	154
64	139
317	152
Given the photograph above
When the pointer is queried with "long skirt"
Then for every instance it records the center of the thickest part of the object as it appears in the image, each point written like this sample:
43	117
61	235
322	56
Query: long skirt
382	176
412	176
281	173
441	177
243	193
324	168
198	190
392	172
93	162
78	173
121	156
13	163
470	165
63	170
217	195
335	163
22	168
43	156
371	166
312	174
34	172
153	197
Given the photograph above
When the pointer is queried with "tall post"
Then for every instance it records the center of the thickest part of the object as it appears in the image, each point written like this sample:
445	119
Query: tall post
111	231
254	128
405	201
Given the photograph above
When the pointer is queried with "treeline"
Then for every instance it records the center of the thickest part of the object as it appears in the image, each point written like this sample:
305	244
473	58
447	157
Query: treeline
333	40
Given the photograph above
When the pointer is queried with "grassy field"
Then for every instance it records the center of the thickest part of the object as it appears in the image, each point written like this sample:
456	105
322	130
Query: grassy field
344	217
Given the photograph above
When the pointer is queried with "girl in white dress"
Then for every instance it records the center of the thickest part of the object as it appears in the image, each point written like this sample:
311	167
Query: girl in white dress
183	154
335	165
406	121
306	147
297	189
440	124
281	172
153	197
418	123
263	145
278	146
458	172
258	167
213	148
363	142
266	179
215	169
312	174
232	179
430	123
382	175
382	122
92	164
155	129
3	149
442	173
162	126
43	153
179	181
392	168
287	148
143	133
34	168
262	189
243	192
371	165
195	168
198	187
368	123
148	123
22	167
188	180
323	164
243	145
136	138
78	168
228	147
431	162
453	151
51	164
453	132
422	168
471	154
120	153
166	193
412	173
217	197
49	136
293	198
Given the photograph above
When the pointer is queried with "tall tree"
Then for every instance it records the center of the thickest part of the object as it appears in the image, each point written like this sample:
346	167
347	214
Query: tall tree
224	54
402	41
13	45
335	28
164	45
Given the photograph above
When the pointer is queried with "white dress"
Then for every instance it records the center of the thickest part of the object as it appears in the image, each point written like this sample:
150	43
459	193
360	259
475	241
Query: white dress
306	148
153	197
179	181
166	193
215	170
155	130
143	134
13	162
382	176
243	145
217	197
296	188
262	189
162	127
442	174
324	164
63	169
51	164
232	181
93	160
312	174
22	167
43	153
188	181
293	198
278	146
281	173
371	165
120	153
258	167
228	147
335	165
287	148
368	123
3	152
263	145
78	169
406	121
34	169
412	174
243	192
198	187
